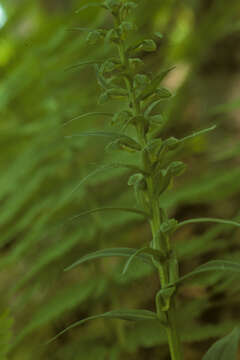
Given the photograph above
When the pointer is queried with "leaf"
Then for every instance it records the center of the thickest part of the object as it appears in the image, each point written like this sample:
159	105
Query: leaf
113	135
128	166
225	348
214	220
219	265
151	107
155	83
155	253
148	45
92	211
130	315
158	34
95	36
122	252
103	168
163	93
87	6
120	141
86	115
197	133
83	63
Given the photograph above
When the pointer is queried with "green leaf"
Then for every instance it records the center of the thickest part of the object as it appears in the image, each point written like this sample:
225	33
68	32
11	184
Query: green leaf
121	117
113	5
168	226
225	348
145	250
203	220
125	27
86	115
163	93
87	6
213	265
130	315
113	93
158	34
123	165
120	141
92	211
148	45
176	168
197	133
103	168
95	36
163	298
150	107
129	5
113	135
141	80
155	83
84	63
122	252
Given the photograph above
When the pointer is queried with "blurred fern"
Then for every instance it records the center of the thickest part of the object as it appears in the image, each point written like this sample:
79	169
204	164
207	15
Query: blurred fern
40	169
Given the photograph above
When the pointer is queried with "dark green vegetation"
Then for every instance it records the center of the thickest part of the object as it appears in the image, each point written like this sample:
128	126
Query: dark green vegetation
41	188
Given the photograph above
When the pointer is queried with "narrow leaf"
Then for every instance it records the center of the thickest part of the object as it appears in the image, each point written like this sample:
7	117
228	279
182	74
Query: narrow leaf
86	115
130	315
83	63
213	265
103	168
214	220
113	135
156	253
93	4
122	252
93	173
225	348
197	133
78	28
88	212
127	166
155	83
151	107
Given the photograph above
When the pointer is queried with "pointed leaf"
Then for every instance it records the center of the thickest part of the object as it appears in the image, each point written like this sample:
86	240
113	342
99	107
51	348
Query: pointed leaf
93	173
155	83
214	220
127	166
225	348
218	265
145	250
103	168
93	4
122	252
92	211
197	133
150	107
130	315
83	63
86	115
148	45
100	133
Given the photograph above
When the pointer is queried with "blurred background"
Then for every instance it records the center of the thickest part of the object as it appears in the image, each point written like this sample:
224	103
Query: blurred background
41	171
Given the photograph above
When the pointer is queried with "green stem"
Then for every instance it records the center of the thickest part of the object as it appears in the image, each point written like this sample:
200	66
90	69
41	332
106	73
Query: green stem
164	269
172	334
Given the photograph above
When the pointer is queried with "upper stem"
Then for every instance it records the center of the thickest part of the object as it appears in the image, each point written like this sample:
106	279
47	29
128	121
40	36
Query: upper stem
164	269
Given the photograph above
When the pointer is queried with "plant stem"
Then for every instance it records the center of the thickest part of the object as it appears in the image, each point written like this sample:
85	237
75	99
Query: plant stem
165	268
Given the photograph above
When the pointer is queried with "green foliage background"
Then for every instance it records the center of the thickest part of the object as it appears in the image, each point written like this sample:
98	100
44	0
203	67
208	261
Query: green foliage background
41	173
